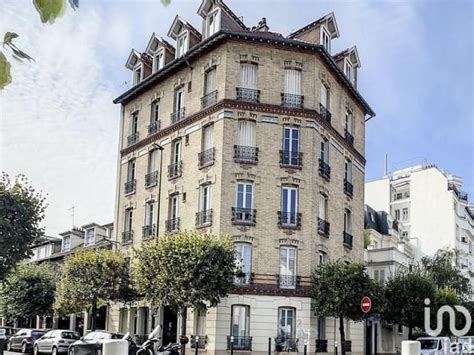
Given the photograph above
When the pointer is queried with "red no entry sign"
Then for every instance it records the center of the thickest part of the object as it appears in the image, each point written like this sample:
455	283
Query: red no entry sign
366	304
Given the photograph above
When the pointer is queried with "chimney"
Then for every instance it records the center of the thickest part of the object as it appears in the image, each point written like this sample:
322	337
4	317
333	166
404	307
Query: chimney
262	26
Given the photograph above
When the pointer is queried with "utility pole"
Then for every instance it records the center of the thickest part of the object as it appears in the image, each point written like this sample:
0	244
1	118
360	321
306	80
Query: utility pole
72	215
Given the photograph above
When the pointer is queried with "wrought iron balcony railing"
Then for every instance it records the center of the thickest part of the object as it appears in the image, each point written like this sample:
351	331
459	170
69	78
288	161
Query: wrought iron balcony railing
248	95
347	239
175	170
286	344
323	227
204	218
244	216
151	179
349	137
292	101
130	186
324	170
246	155
348	188
288	281
206	157
289	220
127	237
201	341
173	225
324	113
177	115
154	127
321	345
242	343
290	159
148	231
133	138
460	194
243	278
209	99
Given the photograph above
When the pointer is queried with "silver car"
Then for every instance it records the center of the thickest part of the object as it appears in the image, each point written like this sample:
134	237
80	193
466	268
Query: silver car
55	342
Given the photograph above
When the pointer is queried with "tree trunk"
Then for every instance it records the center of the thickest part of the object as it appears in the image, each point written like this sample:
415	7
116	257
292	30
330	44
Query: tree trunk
183	327
343	334
93	315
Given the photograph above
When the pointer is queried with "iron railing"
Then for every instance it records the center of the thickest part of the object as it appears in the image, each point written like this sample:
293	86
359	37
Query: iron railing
242	343
349	137
291	159
204	218
127	237
348	188
175	170
292	101
290	220
288	281
201	342
347	239
151	179
244	216
244	154
323	227
321	345
324	169
177	115
286	344
209	99
148	231
153	127
248	95
130	186
460	194
324	113
133	138
243	278
206	157
173	225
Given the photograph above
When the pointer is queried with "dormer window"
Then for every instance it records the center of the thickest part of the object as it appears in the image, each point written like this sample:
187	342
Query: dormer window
90	237
137	74
158	60
66	243
212	25
326	39
182	45
349	70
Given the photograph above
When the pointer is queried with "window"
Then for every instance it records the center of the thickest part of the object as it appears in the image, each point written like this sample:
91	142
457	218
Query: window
66	243
323	207
348	171
134	123
244	261
289	205
205	198
397	215
42	252
349	123
137	74
292	82
90	236
149	213
323	257
287	267
325	96
210	81
200	322
286	322
291	146
405	214
177	152
405	234
158	60
155	112
379	275
347	221
348	70
244	195
240	321
182	44
152	161
131	170
207	137
174	201
128	220
246	133
179	99
325	151
212	23
248	75
325	39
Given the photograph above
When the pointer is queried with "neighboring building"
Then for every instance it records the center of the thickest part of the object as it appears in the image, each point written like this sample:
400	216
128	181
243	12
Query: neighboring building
263	139
388	253
432	207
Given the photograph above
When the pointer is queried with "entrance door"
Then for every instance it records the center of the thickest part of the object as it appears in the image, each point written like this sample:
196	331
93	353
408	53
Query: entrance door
170	326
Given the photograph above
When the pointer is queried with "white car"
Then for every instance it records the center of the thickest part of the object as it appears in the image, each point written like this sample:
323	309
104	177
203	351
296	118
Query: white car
466	345
435	345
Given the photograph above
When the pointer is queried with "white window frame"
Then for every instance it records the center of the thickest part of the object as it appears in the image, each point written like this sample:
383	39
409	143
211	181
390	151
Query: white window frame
246	133
283	318
325	32
349	70
287	209
137	67
152	161
150	213
216	14
323	207
210	81
347	221
286	270
155	111
177	147
324	152
240	250
326	102
158	59
174	206
348	170
134	124
66	246
249	81
405	214
179	98
87	239
131	167
181	51
244	194
349	121
128	225
323	257
244	312
205	198
293	79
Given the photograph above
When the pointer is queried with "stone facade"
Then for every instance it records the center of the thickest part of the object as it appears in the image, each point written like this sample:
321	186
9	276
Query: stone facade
263	228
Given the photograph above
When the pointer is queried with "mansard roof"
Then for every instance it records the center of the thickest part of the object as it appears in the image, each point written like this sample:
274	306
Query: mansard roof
155	41
178	24
206	6
329	18
353	55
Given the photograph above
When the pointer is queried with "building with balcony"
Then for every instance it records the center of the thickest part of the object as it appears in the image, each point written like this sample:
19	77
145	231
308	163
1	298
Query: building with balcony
432	207
251	143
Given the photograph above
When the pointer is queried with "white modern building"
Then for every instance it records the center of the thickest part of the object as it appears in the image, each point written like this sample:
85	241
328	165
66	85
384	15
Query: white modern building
430	204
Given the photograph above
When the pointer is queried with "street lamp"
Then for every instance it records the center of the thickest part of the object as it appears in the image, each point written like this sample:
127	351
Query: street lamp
158	203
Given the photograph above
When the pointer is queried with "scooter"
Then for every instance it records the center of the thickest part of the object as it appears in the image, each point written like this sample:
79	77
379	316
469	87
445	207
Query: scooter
149	346
170	349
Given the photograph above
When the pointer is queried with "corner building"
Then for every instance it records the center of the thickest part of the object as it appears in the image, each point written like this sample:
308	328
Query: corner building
259	136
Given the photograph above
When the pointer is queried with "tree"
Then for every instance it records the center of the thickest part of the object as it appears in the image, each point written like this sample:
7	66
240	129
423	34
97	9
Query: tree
337	289
188	269
91	277
405	294
28	292
21	212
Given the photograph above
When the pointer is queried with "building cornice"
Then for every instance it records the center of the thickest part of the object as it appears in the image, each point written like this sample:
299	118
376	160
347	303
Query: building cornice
265	289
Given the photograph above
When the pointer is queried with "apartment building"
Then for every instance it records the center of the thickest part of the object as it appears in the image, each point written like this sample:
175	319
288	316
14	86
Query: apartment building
257	135
430	204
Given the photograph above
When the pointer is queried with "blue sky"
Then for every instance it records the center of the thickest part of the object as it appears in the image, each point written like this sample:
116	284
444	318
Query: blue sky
60	128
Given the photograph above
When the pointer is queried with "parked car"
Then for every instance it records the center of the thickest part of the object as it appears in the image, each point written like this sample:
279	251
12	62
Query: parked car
92	343
9	331
55	342
435	345
466	345
24	339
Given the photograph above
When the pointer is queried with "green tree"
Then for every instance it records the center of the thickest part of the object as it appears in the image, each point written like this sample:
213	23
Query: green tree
188	269
21	212
337	289
28	292
91	277
405	294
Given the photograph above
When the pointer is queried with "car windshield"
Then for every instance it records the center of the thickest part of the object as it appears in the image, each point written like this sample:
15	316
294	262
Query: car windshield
37	333
90	336
428	344
70	335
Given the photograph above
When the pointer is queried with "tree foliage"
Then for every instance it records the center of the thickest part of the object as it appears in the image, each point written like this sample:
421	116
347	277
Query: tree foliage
91	277
21	212
188	269
29	291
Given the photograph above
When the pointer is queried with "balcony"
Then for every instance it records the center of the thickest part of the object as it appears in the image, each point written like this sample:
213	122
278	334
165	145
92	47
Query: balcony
323	227
201	341
324	170
348	188
248	95
204	218
148	231
243	278
130	187
173	225
288	281
460	194
209	99
289	159
349	137
175	170
239	343
177	116
245	155
321	345
347	240
133	138
243	216
153	127
127	237
151	179
291	100
206	157
289	220
284	344
324	113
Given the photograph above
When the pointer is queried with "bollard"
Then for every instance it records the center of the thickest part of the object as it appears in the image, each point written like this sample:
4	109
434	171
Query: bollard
269	346
411	347
232	345
305	347
115	347
335	348
196	345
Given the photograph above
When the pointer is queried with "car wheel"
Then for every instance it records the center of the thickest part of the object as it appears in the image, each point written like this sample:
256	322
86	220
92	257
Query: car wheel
23	348
71	351
55	351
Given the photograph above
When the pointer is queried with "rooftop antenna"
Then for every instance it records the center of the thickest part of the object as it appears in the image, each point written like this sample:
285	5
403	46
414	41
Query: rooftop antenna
385	165
72	215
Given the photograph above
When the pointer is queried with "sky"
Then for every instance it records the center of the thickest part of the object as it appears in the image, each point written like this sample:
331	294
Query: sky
59	127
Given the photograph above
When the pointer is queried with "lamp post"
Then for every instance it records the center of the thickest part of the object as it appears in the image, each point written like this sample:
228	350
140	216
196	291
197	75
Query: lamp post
158	203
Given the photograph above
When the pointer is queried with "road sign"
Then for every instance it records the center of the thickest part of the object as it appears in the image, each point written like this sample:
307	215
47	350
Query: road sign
366	304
